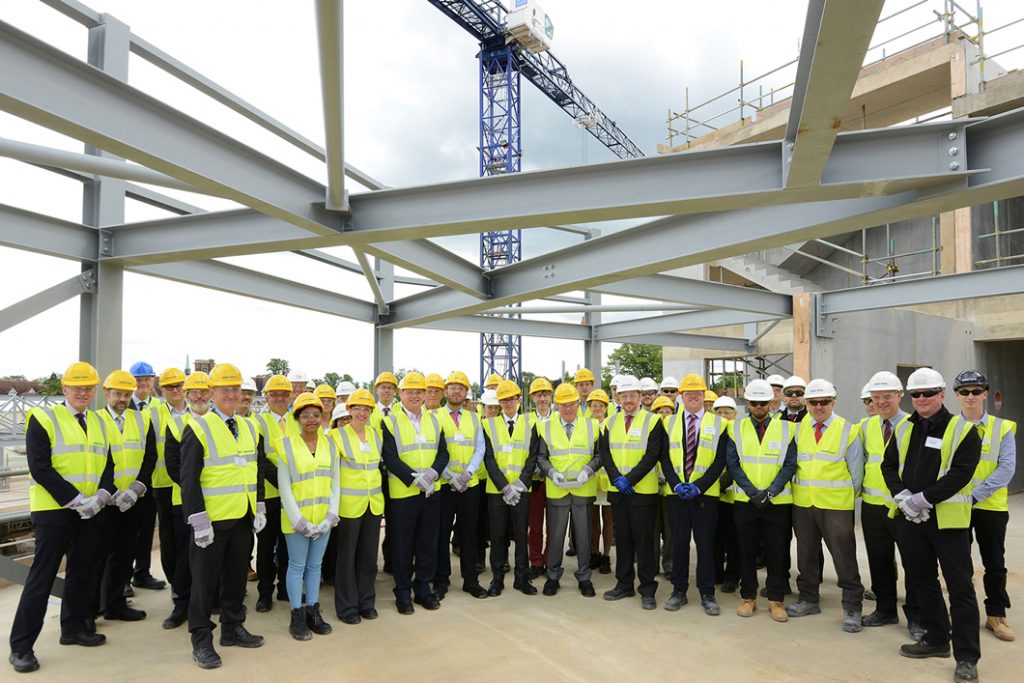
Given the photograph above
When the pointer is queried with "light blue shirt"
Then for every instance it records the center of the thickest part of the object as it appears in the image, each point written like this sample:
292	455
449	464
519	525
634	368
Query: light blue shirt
1006	464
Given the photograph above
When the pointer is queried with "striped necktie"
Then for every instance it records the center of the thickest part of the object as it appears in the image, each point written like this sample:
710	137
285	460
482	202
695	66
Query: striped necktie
691	445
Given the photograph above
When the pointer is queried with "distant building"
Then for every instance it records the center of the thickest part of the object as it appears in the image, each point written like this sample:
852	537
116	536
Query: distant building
204	364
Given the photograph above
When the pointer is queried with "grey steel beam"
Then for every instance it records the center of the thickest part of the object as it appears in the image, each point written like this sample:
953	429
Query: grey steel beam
693	320
836	38
31	231
587	308
330	39
160	200
692	341
511	326
435	262
244	282
48	298
371	279
701	294
384	339
86	16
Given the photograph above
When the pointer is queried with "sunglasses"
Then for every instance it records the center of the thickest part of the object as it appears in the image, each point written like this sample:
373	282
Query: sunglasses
793	393
649	393
969	392
818	402
926	394
758	404
867	401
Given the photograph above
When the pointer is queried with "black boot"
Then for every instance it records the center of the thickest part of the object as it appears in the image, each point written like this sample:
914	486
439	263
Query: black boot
299	628
606	564
315	620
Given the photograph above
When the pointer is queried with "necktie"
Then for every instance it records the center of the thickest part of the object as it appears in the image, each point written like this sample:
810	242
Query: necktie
81	421
386	411
886	430
568	429
819	427
455	418
760	427
629	421
511	426
282	422
120	422
230	422
691	445
141	406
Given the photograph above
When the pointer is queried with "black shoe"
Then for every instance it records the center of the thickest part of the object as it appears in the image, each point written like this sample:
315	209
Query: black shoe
282	594
475	589
595	561
551	587
240	637
264	604
429	601
175	620
369	613
128	592
497	585
606	564
916	630
352	619
297	627
648	602
206	657
405	606
83	638
923	650
25	663
90	625
524	586
148	582
870	595
711	607
729	586
441	589
587	589
966	672
315	620
570	552
676	601
125	614
505	567
535	572
618	593
877	618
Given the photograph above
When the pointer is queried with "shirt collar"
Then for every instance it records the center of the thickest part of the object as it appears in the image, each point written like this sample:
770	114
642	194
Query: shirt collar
220	414
826	422
699	414
113	414
982	420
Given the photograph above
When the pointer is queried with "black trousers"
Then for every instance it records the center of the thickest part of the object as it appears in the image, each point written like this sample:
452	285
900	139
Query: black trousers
414	524
989	530
142	552
500	514
165	525
633	517
697	518
769	526
880	541
925	547
465	506
483	523
219	572
58	533
727	546
271	553
114	558
181	581
355	566
663	534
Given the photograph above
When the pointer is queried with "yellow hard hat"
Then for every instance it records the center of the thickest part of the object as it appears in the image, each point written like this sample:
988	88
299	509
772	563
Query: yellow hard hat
493	380
435	381
361	397
304	400
693	382
197	380
80	374
413	380
277	383
225	375
386	378
325	391
583	375
458	377
566	393
661	402
710	396
171	376
598	395
121	380
508	389
540	384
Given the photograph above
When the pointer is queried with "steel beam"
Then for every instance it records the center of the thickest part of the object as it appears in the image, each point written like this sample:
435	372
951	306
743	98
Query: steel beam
692	341
434	262
587	308
160	200
512	326
701	294
693	320
330	39
45	300
35	232
384	339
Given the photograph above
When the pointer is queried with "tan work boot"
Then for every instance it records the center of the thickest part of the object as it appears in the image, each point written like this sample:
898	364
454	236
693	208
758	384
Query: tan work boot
1000	628
778	611
747	608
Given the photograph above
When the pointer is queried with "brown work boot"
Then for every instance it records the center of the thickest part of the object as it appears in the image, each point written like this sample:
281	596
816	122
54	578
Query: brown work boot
1000	628
778	611
747	608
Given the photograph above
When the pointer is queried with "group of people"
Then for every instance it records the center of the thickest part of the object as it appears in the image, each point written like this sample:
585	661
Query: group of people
645	467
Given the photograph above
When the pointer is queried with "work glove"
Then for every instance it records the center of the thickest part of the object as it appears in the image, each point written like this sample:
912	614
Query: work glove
557	477
449	475
332	520
322	528
918	504
126	498
462	480
202	528
901	496
259	520
760	499
302	526
692	491
518	485
623	485
510	495
90	507
680	490
584	475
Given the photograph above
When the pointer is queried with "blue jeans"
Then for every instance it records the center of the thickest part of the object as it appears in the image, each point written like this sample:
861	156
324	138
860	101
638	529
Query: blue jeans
304	559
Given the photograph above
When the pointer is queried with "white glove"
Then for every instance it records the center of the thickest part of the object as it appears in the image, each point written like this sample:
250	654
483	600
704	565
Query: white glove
556	476
322	528
302	526
91	506
584	475
202	529
519	486
128	497
259	520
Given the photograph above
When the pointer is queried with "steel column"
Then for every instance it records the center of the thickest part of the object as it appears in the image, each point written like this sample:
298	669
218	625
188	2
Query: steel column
330	38
383	337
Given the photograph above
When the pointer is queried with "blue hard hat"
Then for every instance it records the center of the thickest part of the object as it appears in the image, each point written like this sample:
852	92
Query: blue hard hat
142	369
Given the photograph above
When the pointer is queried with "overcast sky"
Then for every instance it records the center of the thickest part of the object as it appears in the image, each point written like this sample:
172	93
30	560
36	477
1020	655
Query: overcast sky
410	118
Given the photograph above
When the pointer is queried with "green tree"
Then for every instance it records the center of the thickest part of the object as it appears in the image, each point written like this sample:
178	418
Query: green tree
278	366
50	385
641	360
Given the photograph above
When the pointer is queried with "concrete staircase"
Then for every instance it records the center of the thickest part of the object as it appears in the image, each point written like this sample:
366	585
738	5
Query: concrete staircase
767	275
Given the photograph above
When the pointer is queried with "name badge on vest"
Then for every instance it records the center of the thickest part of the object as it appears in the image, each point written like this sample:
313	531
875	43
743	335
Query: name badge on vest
364	447
459	437
709	429
933	442
240	461
421	439
774	445
507	448
634	432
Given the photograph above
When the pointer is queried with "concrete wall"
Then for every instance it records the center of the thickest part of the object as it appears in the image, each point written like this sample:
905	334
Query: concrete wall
1001	363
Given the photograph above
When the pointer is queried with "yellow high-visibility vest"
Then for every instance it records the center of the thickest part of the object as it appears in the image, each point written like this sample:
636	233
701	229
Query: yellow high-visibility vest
418	451
569	455
628	450
510	451
709	433
361	485
127	447
228	478
762	460
823	479
311	476
461	440
78	456
993	432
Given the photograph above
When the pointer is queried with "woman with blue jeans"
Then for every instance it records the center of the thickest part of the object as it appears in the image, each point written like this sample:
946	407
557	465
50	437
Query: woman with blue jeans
308	478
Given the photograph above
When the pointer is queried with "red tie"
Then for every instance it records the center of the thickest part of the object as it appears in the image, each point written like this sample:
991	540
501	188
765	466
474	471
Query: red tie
819	427
691	446
887	430
455	418
629	421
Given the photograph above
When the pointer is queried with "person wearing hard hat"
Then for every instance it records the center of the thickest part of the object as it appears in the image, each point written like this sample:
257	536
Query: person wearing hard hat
460	490
648	392
870	409
142	400
613	387
930	463
300	383
386	386
271	546
328	398
222	500
793	397
692	465
362	505
341	417
829	474
669	388
761	456
630	447
601	526
990	512
308	480
344	389
415	453
709	400
567	455
249	392
663	407
492	381
539	540
133	448
434	393
725	406
885	391
778	383
510	458
68	454
491	404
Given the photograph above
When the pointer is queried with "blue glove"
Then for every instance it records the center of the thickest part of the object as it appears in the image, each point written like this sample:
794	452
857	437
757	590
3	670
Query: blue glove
623	485
692	491
680	490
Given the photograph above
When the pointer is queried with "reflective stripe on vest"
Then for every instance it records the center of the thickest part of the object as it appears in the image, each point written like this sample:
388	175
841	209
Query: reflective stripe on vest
360	475
510	451
822	478
955	511
418	456
762	460
996	429
80	464
706	449
310	481
229	475
460	452
627	454
569	455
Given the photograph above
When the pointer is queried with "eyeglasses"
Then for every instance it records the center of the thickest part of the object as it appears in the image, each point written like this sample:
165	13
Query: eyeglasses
306	417
649	393
969	392
670	391
758	404
818	402
867	401
793	393
928	393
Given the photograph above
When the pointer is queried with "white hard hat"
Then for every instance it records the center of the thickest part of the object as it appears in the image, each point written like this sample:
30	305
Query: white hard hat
628	383
648	384
616	380
249	385
490	398
795	381
345	388
297	376
885	381
669	383
820	388
776	380
758	390
866	391
310	386
925	378
339	411
724	402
